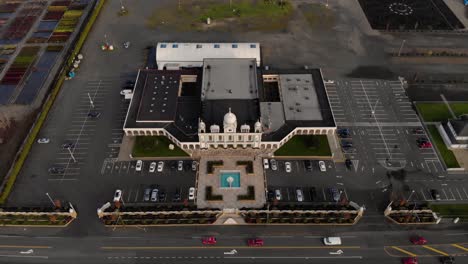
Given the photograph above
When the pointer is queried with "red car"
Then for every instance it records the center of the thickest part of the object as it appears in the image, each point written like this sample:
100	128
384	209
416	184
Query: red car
411	260
425	145
255	242
418	240
209	241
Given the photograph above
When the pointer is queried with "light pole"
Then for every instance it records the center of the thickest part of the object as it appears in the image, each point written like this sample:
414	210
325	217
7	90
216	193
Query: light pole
375	106
401	47
409	198
52	201
71	154
91	101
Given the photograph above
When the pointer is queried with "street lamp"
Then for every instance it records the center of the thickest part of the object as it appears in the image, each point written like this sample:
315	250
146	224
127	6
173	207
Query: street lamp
90	101
401	47
71	154
409	198
52	201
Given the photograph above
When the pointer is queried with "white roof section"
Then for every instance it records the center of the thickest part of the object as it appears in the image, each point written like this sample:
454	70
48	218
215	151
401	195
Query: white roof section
176	54
229	79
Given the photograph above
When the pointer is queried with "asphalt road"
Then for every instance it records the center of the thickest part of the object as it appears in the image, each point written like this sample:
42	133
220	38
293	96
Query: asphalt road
183	245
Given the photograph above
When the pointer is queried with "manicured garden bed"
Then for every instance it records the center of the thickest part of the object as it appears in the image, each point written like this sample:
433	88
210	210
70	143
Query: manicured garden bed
305	145
210	165
209	196
248	164
20	65
447	155
156	146
249	196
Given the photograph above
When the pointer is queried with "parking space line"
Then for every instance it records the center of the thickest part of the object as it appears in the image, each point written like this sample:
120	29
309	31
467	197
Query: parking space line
463	188
435	250
461	198
404	251
460	247
424	196
453	196
446	197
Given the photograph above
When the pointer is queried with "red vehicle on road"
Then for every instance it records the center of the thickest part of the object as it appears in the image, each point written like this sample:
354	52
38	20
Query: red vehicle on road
425	145
209	241
418	240
411	260
255	242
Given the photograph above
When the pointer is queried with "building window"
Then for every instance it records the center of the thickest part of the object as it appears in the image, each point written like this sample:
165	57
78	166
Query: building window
234	46
230	138
220	138
163	46
216	46
210	138
253	46
250	138
239	138
199	46
175	46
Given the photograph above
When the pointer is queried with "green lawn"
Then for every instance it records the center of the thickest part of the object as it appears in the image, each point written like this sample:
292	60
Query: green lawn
310	145
459	108
246	15
451	210
156	146
447	155
433	112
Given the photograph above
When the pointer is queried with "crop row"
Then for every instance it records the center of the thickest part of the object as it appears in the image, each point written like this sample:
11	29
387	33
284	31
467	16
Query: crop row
20	65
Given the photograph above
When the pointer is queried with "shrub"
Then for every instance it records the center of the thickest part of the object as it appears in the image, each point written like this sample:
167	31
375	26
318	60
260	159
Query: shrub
212	164
250	194
209	196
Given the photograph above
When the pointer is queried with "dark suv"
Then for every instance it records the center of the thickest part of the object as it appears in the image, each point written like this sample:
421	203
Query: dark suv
308	165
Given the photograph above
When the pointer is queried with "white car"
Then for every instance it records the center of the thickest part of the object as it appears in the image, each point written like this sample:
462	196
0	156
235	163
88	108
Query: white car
43	140
117	195
266	165
194	165
322	166
160	166
332	241
274	165
126	91
180	165
138	166
300	197
191	194
287	166
278	195
152	166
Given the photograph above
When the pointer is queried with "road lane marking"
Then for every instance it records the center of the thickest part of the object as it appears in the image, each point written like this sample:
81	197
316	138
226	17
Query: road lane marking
288	257
460	247
404	251
22	246
23	256
435	250
222	247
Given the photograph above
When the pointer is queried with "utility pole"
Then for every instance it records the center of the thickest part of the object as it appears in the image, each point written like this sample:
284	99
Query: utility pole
90	101
401	47
52	201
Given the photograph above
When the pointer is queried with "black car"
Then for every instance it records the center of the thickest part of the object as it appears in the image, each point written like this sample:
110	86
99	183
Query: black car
313	193
271	195
173	165
348	163
435	194
56	170
308	165
130	82
68	144
422	140
162	196
344	132
447	260
346	144
94	114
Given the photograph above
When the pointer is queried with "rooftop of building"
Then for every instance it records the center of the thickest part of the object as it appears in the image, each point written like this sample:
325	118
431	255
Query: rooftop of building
460	125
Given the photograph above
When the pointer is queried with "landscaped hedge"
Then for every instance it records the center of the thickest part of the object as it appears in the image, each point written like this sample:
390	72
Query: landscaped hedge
250	194
248	165
210	165
209	196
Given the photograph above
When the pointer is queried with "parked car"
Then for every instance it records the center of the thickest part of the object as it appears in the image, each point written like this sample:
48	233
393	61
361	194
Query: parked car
300	196
334	193
94	114
139	165
347	144
130	82
180	165
194	165
266	165
152	167
68	144
126	91
117	195
287	166
435	194
332	241
160	166
173	165
126	44
56	170
418	240
154	195
278	194
348	163
176	197
308	165
43	140
191	193
209	241
418	130
162	196
255	242
322	166
313	193
410	260
271	195
344	132
422	140
425	145
274	165
147	195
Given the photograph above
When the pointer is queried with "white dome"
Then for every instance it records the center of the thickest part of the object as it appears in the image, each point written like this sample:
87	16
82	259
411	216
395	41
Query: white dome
230	118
